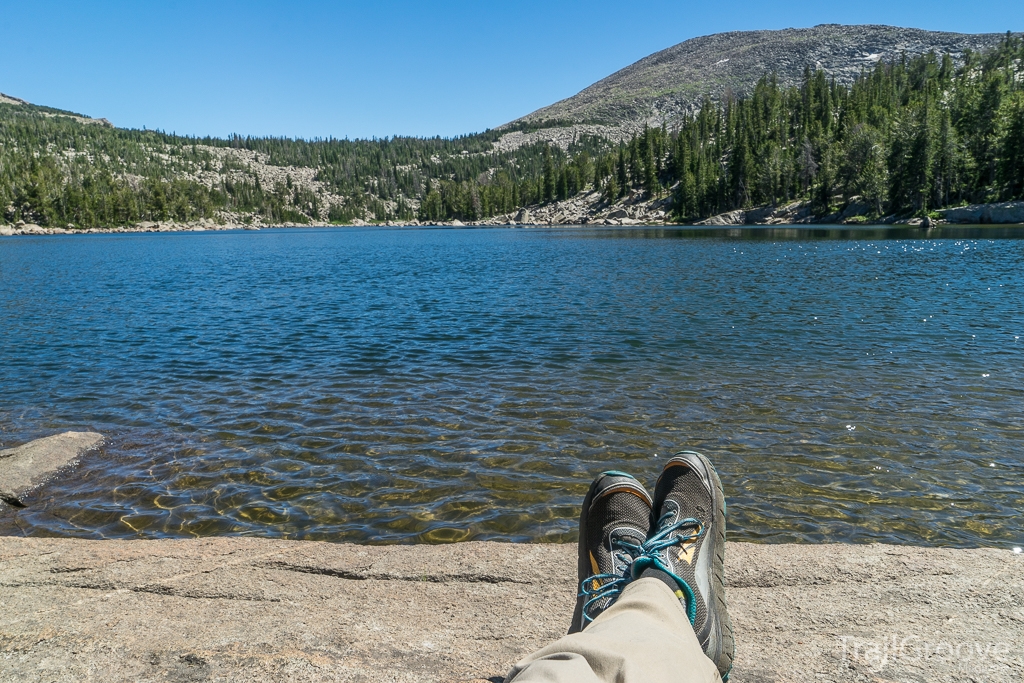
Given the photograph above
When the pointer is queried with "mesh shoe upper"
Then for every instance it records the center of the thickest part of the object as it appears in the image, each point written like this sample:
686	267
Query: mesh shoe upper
613	526
687	541
684	497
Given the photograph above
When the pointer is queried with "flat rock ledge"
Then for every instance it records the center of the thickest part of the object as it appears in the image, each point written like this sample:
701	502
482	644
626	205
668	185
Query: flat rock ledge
30	465
242	609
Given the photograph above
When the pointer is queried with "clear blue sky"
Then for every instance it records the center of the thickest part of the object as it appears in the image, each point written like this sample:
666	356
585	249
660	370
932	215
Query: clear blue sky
308	68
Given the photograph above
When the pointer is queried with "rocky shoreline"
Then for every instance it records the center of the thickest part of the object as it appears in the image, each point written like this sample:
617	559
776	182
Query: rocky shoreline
31	465
590	209
261	610
254	610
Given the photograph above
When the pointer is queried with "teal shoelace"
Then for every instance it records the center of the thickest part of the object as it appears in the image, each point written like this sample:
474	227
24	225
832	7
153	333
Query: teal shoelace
638	558
601	586
653	555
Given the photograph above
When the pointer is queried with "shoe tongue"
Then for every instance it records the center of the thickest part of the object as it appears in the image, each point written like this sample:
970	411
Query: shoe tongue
640	565
622	532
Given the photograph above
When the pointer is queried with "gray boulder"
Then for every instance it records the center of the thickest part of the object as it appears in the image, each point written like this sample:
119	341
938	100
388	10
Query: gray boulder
964	214
857	206
738	217
1006	212
26	467
1003	212
761	215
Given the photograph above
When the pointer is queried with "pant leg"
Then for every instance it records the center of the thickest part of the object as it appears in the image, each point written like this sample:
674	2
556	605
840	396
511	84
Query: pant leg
645	637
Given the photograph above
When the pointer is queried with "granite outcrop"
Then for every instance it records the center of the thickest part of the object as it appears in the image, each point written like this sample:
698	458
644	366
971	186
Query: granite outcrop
30	465
256	610
259	610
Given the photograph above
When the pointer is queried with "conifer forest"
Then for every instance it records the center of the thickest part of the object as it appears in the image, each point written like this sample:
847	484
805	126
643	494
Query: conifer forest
908	137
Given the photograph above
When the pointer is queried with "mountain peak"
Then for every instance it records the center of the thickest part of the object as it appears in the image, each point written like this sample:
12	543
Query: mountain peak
668	84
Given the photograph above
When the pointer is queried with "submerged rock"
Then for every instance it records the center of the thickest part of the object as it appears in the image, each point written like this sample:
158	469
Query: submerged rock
26	467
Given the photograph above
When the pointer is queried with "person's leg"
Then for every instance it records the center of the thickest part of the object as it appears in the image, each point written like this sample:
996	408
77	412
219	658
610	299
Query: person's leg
644	637
653	612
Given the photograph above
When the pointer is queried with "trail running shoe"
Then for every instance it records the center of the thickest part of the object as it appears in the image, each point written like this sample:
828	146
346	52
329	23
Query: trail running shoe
686	549
613	526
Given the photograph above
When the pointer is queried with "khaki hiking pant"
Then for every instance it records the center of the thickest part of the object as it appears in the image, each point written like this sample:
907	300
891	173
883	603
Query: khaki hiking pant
645	637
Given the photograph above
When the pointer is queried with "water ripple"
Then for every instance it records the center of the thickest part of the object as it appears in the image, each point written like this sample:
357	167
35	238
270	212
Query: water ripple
443	385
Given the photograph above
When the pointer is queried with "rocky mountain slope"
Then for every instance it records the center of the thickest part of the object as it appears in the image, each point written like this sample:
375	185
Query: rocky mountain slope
62	171
47	111
673	82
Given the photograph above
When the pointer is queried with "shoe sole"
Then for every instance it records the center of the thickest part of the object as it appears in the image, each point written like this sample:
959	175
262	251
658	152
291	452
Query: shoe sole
596	493
720	610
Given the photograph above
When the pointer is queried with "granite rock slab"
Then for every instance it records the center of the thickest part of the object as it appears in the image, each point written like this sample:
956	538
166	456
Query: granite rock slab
30	465
246	609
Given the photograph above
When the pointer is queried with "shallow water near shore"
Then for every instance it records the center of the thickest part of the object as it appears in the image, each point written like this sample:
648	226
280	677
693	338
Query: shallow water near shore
435	385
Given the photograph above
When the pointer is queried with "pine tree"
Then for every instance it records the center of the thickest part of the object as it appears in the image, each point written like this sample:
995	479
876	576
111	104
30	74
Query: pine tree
635	170
548	193
1011	154
611	190
651	184
623	178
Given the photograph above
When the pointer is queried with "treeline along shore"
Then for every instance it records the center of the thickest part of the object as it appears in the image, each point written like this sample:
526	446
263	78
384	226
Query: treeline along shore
907	141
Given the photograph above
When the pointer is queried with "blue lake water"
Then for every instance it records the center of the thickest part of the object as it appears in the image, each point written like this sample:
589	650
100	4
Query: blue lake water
434	385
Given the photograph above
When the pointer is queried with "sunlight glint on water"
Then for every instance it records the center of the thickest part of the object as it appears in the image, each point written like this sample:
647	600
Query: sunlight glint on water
443	385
